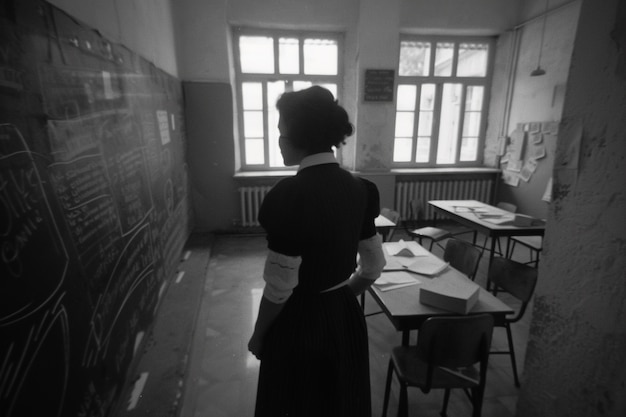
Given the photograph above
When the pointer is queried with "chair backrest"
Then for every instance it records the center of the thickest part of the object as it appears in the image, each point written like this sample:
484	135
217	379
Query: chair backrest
516	278
455	341
507	206
463	256
415	209
392	215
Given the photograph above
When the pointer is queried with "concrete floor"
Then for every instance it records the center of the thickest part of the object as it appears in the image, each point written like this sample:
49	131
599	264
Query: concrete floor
196	363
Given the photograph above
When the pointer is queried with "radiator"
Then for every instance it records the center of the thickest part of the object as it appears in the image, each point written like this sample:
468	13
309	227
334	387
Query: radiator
440	189
250	199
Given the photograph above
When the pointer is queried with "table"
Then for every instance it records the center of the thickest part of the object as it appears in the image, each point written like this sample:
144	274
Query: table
488	220
383	225
406	313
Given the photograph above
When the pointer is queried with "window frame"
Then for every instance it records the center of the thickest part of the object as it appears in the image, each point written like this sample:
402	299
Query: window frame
264	79
439	81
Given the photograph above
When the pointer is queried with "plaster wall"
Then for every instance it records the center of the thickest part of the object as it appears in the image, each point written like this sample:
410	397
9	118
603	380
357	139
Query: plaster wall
451	17
577	336
378	49
147	28
519	98
371	32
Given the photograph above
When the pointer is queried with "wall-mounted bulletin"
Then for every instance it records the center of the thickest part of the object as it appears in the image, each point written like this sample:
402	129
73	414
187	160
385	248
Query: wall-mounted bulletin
379	85
93	206
527	146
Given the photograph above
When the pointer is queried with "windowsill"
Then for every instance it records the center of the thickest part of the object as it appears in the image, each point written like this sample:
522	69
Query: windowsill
265	174
452	170
394	171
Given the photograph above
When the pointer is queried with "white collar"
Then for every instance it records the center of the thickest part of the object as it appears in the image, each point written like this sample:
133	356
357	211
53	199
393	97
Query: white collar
317	159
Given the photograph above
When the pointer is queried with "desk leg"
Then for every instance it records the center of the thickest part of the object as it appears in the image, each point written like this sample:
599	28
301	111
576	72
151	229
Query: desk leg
491	252
405	337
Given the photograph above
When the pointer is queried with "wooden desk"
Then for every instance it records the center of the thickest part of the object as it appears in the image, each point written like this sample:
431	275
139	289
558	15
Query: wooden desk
406	313
470	213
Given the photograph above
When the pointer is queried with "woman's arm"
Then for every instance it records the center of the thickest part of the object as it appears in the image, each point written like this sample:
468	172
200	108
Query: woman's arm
268	311
281	277
371	264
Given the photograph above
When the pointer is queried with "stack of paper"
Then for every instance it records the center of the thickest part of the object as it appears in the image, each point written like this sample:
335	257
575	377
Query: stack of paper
395	279
456	293
410	256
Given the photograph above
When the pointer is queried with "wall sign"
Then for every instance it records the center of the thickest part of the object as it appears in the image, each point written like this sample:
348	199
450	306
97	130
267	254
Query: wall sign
379	85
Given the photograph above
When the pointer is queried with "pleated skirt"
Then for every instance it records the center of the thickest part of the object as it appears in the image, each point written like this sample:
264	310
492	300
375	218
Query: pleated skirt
315	359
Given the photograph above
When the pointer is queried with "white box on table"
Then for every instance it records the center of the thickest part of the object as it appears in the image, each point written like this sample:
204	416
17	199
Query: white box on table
453	293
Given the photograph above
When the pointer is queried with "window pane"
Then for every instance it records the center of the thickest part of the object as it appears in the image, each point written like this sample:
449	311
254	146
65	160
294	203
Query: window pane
443	59
256	54
301	85
332	88
402	149
252	96
404	123
422	153
469	149
253	124
427	97
425	126
254	152
474	98
288	56
274	90
406	97
472	60
449	123
471	124
320	56
414	58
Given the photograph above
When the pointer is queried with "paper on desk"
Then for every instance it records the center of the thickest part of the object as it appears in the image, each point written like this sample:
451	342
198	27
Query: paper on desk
498	218
424	265
469	209
428	266
405	249
395	279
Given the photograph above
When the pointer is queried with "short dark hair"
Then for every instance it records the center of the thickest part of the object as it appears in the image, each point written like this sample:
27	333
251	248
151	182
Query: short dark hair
315	120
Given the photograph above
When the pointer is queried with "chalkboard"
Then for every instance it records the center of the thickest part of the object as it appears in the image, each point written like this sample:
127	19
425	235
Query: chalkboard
93	210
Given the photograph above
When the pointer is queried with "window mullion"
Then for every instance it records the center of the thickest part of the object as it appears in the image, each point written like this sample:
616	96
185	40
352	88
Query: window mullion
416	117
276	55
301	55
455	59
266	142
459	135
434	140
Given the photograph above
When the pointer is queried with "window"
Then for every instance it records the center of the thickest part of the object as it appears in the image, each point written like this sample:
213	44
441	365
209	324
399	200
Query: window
440	106
269	63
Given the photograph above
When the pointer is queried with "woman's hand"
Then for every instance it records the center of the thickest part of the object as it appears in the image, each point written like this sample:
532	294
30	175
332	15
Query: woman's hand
255	345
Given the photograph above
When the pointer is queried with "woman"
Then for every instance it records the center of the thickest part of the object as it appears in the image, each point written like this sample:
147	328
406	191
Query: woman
310	333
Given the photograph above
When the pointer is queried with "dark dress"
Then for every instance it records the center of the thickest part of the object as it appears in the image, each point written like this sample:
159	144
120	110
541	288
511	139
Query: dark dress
315	356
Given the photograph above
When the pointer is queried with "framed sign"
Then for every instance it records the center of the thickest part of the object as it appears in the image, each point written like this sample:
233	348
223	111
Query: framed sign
379	85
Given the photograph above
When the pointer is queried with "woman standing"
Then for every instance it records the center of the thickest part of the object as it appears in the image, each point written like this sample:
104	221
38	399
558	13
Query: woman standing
310	333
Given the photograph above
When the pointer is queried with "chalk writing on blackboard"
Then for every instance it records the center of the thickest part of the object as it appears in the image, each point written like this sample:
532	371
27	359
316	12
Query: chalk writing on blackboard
93	211
379	85
30	235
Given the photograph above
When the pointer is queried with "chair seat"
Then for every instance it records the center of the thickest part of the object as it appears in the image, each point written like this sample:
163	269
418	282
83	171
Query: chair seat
433	233
410	368
533	242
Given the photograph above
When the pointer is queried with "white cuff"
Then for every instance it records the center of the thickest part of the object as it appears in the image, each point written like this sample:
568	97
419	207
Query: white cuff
280	275
371	257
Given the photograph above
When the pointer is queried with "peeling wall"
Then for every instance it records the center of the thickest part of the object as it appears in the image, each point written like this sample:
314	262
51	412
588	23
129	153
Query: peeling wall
576	358
532	99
